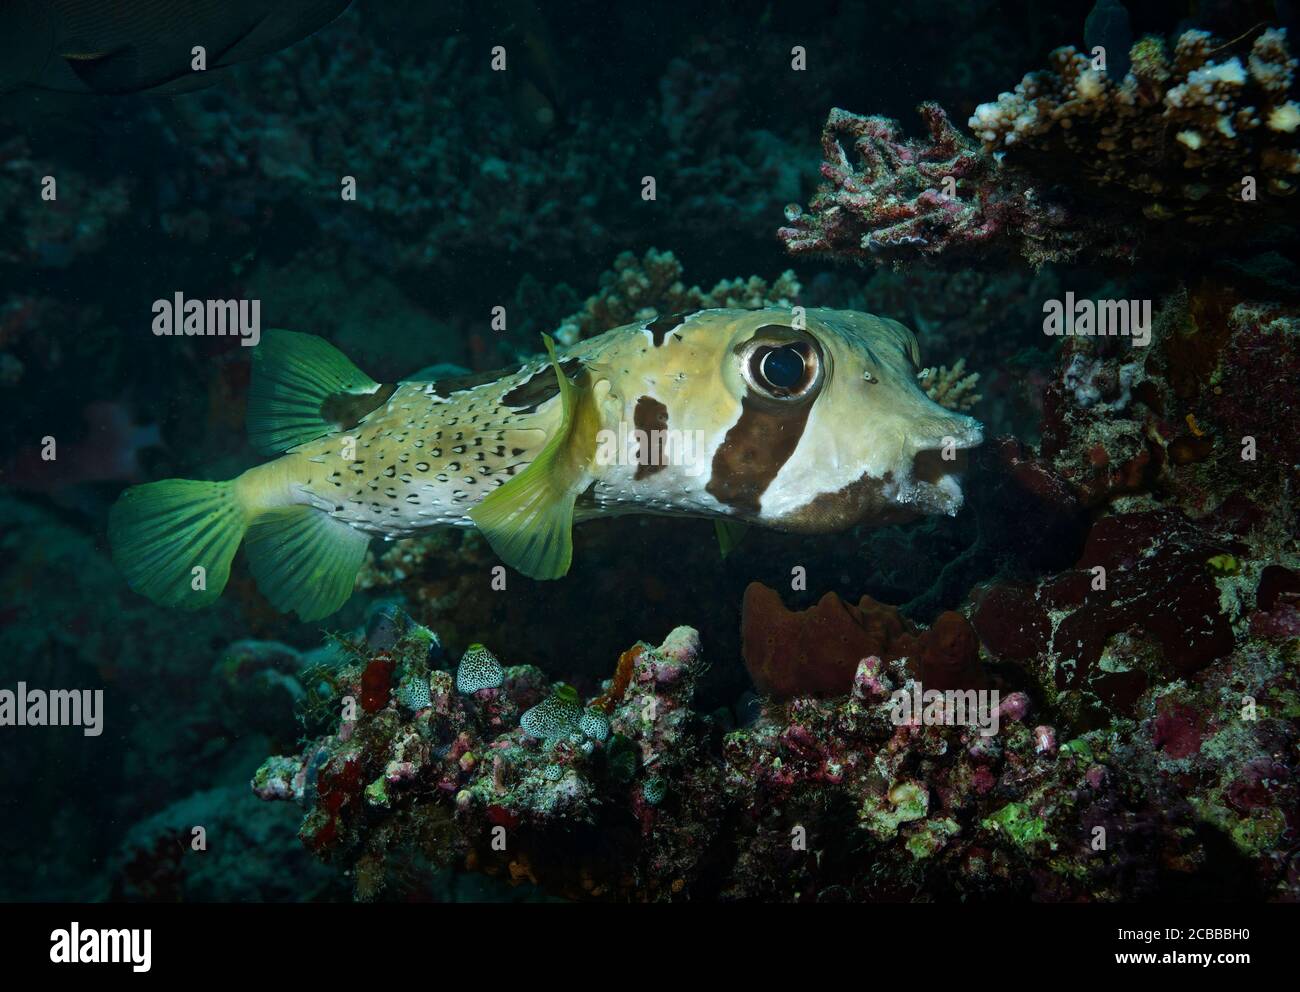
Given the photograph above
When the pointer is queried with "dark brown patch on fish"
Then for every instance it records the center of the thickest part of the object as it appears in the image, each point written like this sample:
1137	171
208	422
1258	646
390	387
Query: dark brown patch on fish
539	387
752	453
346	410
460	383
660	327
861	499
650	415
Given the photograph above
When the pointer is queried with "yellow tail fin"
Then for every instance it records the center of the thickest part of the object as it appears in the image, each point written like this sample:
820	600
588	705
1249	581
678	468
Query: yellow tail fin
174	541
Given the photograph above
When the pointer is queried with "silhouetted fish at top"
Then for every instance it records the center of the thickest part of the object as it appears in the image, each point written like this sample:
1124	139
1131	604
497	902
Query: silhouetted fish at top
130	46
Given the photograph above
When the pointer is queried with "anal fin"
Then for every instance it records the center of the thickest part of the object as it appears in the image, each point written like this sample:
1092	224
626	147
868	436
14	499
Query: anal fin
304	561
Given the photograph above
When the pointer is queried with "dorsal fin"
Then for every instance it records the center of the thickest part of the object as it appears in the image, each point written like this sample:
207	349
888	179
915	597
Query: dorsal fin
304	388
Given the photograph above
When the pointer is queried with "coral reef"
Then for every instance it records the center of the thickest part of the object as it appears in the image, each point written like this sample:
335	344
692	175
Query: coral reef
1072	162
1125	573
513	780
898	199
243	853
952	387
1141	634
51	226
1174	419
187	733
1176	139
1141	607
636	797
532	171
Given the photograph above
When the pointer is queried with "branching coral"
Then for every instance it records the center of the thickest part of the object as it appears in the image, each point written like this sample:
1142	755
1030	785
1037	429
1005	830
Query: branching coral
892	202
953	387
643	288
897	199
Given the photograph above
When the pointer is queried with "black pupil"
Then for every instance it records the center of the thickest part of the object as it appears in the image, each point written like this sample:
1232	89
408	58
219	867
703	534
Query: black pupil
783	367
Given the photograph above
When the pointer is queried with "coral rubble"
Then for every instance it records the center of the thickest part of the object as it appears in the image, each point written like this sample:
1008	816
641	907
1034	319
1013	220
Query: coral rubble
633	795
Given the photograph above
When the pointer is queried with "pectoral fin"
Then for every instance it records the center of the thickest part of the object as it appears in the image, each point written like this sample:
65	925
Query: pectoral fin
529	520
730	533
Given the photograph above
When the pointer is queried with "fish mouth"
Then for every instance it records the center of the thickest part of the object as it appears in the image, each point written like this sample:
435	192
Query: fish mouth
933	485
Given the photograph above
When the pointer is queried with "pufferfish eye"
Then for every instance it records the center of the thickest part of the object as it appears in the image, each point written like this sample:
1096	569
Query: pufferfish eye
782	370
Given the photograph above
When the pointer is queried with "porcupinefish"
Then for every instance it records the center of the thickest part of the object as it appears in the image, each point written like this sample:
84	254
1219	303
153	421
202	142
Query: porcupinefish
801	420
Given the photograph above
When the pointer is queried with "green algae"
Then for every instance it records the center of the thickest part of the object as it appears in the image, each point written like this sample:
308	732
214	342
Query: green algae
1252	835
1223	565
932	838
904	803
1078	748
1016	821
377	793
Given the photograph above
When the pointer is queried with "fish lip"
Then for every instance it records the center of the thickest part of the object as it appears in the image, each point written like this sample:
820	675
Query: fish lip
943	497
933	483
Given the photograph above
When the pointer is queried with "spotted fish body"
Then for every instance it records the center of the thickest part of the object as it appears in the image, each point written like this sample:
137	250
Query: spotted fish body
431	454
808	421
